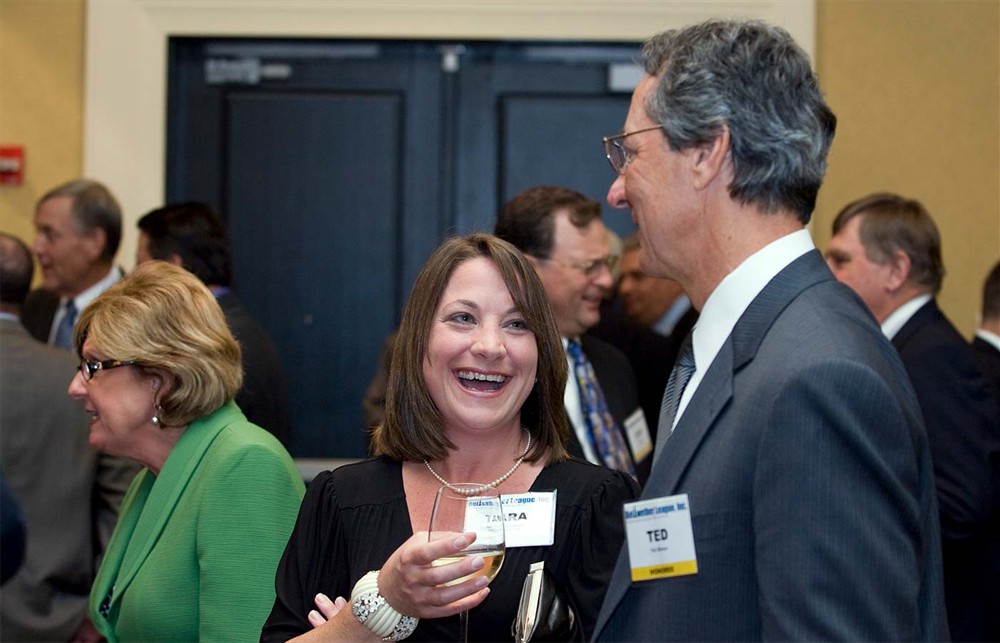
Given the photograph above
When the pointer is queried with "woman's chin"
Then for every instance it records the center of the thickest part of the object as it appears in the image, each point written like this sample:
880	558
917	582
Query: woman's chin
97	441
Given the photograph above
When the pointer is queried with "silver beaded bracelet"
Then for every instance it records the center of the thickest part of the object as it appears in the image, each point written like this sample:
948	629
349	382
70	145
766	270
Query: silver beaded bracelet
374	612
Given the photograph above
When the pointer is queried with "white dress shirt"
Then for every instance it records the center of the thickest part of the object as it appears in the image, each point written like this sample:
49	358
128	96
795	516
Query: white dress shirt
731	298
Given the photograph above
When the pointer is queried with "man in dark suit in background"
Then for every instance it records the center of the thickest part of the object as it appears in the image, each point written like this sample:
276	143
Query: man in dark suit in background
69	494
986	350
986	343
792	493
191	236
78	227
561	233
888	250
659	304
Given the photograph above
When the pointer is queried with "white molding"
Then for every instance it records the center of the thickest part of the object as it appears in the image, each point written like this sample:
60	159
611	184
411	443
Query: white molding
126	55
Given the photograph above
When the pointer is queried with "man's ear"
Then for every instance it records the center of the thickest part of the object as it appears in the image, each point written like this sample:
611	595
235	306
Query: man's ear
710	158
94	242
899	271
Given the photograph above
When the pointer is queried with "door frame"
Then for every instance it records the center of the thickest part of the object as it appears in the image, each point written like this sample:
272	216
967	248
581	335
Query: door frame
125	101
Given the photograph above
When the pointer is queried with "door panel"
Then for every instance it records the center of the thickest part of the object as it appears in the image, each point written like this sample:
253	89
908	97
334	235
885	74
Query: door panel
532	115
296	251
534	121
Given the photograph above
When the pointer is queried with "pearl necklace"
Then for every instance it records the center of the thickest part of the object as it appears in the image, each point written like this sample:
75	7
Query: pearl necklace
491	485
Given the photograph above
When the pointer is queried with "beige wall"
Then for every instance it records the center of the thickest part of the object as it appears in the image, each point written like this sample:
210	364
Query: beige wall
41	100
916	90
916	87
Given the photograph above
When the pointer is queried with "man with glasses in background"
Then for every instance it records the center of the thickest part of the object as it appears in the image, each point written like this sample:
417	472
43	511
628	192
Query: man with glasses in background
561	233
792	494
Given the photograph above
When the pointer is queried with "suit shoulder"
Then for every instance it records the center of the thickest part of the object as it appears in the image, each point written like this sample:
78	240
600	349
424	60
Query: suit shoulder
932	343
827	324
21	348
37	312
370	481
605	354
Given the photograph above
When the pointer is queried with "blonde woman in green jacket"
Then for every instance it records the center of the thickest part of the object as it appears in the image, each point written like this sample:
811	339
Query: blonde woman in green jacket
204	523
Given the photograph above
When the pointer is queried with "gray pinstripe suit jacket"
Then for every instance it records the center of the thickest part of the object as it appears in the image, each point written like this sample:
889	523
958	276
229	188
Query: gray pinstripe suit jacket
810	485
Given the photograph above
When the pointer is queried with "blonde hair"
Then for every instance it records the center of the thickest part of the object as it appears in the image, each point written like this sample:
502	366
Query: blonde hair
162	317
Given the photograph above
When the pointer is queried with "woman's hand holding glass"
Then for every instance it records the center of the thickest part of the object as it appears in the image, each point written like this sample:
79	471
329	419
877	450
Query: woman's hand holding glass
462	507
414	586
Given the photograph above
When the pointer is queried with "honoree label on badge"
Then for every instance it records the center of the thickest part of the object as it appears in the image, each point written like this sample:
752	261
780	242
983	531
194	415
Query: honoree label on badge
660	538
529	519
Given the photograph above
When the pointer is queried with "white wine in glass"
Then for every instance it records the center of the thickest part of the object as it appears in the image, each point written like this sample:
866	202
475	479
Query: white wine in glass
459	508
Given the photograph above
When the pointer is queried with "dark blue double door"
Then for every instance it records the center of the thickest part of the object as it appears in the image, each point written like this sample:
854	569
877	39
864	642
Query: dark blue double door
339	166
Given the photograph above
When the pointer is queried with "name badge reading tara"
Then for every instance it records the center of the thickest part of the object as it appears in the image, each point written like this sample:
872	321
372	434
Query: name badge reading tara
660	538
529	519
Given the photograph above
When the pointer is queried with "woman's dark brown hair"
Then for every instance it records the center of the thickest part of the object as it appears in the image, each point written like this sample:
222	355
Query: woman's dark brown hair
411	427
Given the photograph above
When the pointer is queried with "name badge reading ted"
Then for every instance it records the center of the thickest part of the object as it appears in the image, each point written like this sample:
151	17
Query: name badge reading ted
638	435
529	519
660	538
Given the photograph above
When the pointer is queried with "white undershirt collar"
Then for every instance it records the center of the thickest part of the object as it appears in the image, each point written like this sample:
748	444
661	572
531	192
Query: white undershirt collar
895	321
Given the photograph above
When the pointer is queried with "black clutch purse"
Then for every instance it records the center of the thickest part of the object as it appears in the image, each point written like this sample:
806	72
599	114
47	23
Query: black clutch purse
545	613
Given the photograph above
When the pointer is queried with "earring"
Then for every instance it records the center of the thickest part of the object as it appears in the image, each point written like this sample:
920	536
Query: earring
156	415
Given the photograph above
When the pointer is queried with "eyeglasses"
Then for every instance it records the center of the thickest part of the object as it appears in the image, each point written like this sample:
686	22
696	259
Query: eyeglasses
618	155
590	268
88	368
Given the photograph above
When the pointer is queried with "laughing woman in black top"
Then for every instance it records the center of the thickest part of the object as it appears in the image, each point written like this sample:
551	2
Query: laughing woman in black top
475	394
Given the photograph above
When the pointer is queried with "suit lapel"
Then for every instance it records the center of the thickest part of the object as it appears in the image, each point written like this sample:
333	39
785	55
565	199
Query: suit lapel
716	388
713	395
167	491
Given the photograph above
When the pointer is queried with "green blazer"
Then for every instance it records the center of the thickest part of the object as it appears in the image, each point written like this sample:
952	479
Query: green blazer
195	551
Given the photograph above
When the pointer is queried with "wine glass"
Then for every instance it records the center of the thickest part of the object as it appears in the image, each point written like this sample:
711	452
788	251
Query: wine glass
469	507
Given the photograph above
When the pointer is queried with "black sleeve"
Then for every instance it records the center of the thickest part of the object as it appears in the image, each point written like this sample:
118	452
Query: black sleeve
597	545
305	567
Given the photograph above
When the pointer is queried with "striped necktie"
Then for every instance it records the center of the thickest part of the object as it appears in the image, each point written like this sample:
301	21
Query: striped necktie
679	378
604	432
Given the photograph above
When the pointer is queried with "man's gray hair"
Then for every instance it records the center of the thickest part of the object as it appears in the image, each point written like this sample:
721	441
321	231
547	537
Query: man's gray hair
93	207
754	79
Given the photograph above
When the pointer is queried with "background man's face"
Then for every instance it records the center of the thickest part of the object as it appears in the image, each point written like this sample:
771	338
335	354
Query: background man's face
850	264
644	298
575	296
64	255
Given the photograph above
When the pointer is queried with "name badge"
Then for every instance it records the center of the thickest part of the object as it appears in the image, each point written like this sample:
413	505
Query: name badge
660	538
529	519
638	435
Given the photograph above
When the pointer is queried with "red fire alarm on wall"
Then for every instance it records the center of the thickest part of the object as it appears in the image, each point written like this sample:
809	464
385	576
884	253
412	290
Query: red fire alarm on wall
11	164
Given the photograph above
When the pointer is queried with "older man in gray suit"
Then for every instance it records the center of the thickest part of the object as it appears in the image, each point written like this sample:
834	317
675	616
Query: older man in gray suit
791	494
68	493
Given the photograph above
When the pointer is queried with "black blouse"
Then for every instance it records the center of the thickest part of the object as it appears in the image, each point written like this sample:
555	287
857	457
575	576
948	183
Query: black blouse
352	519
